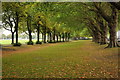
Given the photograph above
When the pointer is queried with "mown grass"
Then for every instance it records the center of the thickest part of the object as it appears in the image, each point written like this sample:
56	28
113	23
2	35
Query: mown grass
6	42
77	59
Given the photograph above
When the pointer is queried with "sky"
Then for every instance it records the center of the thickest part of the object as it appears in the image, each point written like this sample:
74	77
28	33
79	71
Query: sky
6	32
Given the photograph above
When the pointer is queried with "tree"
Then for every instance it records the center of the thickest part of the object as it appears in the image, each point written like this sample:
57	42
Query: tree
112	20
11	16
29	13
8	20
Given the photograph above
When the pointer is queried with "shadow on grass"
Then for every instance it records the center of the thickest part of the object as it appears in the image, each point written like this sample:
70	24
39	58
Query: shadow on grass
7	49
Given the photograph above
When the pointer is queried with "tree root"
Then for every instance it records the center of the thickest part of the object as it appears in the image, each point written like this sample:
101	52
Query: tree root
111	45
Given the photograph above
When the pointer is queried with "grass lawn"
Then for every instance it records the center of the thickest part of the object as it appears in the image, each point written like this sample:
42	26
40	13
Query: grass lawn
6	42
76	59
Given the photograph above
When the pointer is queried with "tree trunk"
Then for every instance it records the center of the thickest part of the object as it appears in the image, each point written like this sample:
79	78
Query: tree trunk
45	34
105	35
50	37
113	38
93	38
54	35
63	37
16	35
12	38
42	37
112	24
38	32
29	28
30	36
97	37
57	37
68	36
16	27
93	35
103	29
60	37
103	38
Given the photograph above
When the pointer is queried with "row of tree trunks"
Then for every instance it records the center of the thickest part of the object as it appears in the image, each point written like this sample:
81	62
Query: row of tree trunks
95	30
98	28
53	37
96	37
99	37
67	36
102	29
112	23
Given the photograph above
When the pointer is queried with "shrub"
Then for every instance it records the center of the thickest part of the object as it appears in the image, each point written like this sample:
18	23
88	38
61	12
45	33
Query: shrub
30	43
38	42
17	44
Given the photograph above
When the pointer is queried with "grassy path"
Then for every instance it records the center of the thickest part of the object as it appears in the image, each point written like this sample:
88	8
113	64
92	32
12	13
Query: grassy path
77	59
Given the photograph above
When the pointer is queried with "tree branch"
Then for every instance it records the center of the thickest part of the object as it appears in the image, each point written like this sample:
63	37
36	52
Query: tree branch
115	4
26	33
6	28
102	13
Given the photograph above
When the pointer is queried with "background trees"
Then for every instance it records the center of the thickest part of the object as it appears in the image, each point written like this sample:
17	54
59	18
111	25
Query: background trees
59	21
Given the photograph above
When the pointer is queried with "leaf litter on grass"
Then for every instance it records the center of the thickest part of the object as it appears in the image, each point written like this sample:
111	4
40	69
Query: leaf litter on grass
68	62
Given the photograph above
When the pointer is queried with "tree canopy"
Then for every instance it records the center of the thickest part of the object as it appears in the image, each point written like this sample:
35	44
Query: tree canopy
80	19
